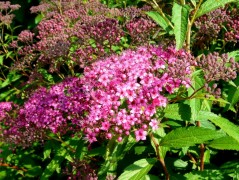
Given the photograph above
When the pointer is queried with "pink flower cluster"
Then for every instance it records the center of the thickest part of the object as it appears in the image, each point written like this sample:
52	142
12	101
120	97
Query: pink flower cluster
6	9
4	108
126	90
140	29
47	110
116	96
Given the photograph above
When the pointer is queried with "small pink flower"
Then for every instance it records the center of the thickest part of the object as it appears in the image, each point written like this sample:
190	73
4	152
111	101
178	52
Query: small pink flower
105	126
119	139
91	137
140	134
108	135
154	124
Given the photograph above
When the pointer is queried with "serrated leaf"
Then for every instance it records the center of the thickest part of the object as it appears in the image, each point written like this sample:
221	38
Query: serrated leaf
233	97
54	165
178	111
138	169
183	137
205	175
159	20
227	126
207	124
180	15
195	103
225	143
211	5
210	98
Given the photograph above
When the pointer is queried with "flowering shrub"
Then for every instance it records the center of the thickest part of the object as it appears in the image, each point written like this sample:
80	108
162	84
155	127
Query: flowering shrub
103	93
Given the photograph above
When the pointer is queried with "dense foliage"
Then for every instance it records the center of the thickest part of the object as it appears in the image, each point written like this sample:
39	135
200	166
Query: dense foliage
120	90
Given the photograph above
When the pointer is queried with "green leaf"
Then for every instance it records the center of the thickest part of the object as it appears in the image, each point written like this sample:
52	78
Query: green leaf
225	143
205	175
227	126
11	77
150	177
38	18
3	174
234	54
178	111
233	95
47	150
34	172
122	148
180	15
210	98
195	103
179	163
183	137
138	169
54	165
207	124
46	75
211	5
1	59
6	94
159	20
194	3
99	151
139	149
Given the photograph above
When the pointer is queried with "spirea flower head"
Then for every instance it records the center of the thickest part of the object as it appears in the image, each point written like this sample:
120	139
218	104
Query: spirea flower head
217	67
126	90
6	9
47	110
222	22
4	108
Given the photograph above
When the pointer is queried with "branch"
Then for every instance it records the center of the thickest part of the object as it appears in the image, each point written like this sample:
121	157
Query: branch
161	160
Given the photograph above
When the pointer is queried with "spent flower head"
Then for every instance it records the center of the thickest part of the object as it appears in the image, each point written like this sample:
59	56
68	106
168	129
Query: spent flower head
217	67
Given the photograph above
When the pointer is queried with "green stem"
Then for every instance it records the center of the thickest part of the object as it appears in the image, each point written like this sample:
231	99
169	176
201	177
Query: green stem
190	23
156	7
190	97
